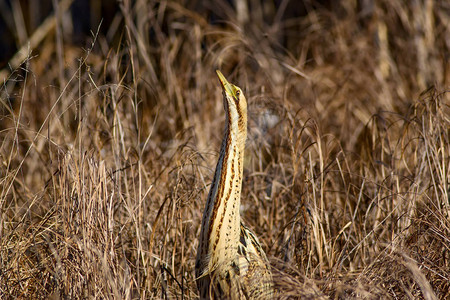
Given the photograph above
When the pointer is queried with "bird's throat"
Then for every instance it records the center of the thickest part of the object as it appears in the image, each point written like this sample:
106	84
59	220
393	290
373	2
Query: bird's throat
221	221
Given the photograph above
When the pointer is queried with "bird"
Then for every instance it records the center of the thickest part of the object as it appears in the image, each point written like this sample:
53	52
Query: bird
230	262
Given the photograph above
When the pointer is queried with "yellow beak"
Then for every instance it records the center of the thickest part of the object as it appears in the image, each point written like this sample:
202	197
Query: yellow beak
227	87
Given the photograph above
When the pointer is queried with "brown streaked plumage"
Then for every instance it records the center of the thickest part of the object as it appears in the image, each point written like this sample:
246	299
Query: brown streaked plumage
231	263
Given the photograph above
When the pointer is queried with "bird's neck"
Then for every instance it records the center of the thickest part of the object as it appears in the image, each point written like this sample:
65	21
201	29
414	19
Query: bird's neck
221	219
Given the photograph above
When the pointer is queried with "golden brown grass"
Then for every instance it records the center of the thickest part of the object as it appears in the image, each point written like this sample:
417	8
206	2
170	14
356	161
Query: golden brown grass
107	151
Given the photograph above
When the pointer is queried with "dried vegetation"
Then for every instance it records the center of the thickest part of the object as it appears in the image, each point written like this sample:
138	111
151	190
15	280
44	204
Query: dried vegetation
108	147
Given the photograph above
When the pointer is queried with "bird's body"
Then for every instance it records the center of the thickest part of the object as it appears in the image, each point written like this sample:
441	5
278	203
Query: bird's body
230	261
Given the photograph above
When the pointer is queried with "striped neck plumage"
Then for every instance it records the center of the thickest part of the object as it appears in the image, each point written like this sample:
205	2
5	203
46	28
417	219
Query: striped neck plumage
221	218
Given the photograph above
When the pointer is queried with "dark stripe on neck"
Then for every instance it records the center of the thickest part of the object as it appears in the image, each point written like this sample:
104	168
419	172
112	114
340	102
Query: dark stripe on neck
223	175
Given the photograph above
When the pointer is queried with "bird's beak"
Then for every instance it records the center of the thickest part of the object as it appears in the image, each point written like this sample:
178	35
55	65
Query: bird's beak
227	87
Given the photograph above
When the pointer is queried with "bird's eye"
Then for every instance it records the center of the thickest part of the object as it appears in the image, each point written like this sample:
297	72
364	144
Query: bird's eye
238	92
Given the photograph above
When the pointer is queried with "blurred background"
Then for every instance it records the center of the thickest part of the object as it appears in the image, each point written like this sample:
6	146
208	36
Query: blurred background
111	119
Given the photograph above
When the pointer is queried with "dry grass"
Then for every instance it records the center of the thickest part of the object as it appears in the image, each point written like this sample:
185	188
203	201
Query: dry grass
107	151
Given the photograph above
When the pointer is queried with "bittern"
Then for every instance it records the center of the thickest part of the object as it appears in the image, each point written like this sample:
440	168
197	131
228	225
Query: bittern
231	263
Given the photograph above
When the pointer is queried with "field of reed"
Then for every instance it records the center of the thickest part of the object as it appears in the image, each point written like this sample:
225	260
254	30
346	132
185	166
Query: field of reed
111	119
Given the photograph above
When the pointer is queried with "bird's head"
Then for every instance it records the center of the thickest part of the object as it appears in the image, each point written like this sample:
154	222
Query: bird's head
234	102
